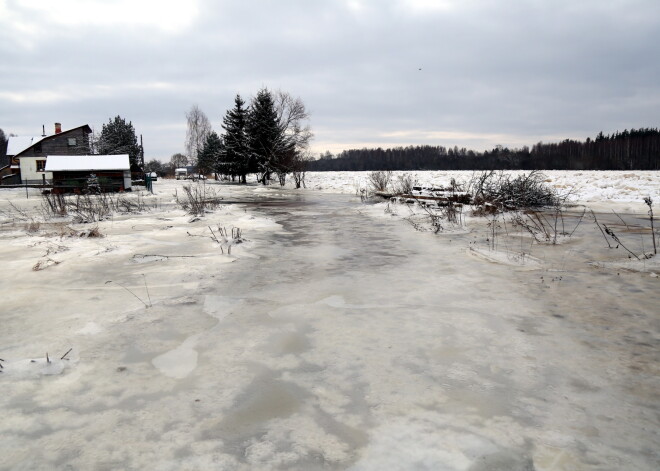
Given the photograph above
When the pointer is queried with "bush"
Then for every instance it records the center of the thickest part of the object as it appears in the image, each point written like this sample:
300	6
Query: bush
404	184
54	204
379	180
501	191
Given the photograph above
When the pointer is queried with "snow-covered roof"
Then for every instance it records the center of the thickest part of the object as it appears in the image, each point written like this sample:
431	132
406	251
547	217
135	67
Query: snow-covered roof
58	163
17	144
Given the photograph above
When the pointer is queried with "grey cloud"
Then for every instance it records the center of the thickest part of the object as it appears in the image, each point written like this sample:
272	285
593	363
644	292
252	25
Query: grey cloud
528	70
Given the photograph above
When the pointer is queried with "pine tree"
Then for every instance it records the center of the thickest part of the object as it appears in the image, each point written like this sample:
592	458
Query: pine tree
118	137
264	135
209	155
235	160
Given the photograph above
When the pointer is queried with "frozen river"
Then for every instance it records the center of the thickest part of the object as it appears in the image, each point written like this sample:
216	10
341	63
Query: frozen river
336	340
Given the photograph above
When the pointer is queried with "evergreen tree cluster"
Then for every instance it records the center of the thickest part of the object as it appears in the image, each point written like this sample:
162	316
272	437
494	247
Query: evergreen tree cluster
267	137
637	149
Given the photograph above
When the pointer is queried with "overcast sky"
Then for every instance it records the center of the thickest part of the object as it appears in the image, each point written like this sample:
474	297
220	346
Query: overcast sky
492	72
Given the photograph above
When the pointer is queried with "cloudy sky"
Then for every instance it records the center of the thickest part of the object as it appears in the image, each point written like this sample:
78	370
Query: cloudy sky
473	73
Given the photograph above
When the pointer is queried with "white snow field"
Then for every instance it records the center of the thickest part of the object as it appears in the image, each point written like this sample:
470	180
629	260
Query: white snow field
587	186
335	336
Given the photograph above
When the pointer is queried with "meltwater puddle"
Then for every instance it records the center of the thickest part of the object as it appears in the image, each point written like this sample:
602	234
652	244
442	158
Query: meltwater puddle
182	360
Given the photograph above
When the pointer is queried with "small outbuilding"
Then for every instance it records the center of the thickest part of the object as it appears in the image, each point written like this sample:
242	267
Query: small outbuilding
89	173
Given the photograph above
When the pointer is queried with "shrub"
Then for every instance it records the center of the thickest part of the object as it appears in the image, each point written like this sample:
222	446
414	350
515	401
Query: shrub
198	199
503	192
89	207
379	180
404	184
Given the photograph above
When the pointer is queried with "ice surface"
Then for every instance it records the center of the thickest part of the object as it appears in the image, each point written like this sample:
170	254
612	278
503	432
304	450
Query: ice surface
507	257
335	337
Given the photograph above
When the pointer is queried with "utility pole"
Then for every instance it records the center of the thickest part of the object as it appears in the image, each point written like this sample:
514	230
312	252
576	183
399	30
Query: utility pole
142	152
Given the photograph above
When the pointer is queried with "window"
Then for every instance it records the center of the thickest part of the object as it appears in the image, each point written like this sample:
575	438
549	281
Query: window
41	165
72	141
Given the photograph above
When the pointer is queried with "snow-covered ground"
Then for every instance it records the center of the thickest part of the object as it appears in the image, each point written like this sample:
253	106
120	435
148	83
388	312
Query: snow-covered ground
335	336
584	186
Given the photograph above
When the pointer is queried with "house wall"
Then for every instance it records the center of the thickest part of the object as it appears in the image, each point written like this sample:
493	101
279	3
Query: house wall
74	142
29	172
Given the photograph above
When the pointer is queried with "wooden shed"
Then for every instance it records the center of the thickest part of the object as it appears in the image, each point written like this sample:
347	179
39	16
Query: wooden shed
89	173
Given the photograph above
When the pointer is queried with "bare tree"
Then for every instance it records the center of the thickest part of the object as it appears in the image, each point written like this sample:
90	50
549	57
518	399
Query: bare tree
178	160
199	127
296	134
293	119
154	165
299	168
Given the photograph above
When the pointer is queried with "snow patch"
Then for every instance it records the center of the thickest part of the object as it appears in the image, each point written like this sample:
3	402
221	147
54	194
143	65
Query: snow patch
91	328
179	362
644	265
220	306
403	445
37	367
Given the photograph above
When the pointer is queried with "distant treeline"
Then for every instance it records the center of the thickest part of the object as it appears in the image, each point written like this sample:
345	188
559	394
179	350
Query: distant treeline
637	149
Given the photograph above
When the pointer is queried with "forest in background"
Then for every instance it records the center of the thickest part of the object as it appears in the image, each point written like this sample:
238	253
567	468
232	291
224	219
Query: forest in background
637	149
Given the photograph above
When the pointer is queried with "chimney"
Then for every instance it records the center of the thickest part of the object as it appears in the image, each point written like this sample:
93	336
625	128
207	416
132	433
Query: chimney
58	128
43	130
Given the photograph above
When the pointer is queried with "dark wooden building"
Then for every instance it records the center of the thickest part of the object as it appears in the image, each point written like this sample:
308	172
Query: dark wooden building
89	173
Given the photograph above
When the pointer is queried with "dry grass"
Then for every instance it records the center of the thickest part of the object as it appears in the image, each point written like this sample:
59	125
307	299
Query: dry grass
32	227
89	208
198	200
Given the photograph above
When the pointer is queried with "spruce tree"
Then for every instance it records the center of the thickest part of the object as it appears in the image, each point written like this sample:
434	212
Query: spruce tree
264	134
209	155
3	148
235	160
118	137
